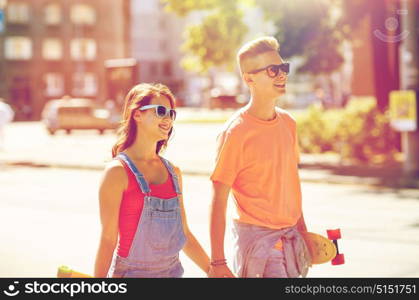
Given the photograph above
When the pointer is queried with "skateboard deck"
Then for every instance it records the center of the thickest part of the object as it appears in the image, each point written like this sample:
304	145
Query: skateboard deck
324	249
321	249
66	272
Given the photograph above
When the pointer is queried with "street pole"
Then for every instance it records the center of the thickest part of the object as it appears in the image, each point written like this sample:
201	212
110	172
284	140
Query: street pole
409	80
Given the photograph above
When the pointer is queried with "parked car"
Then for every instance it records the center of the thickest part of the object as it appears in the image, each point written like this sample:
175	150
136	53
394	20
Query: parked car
76	113
222	98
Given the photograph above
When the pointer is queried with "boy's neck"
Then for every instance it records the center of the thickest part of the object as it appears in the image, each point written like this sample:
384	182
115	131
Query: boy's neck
263	109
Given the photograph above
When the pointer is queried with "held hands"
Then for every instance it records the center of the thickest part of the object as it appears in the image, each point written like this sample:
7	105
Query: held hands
219	269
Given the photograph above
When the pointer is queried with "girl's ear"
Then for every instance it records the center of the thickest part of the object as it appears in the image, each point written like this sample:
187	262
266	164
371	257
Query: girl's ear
137	115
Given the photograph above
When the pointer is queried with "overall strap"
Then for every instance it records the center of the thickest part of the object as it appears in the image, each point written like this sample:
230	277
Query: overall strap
140	177
172	172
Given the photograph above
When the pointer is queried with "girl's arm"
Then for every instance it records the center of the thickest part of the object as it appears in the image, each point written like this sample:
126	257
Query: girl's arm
192	248
110	194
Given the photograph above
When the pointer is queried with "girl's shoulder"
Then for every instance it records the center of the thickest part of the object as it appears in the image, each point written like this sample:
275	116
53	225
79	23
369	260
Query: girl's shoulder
115	172
177	170
178	173
114	165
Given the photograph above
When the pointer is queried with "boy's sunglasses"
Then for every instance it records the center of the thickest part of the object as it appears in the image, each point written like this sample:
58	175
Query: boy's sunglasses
273	70
161	111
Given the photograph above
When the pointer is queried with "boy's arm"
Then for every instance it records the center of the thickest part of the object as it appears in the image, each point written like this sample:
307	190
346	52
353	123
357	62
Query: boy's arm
217	230
301	224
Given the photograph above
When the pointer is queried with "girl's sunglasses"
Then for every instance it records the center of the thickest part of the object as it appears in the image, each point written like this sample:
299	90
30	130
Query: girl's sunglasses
161	111
273	70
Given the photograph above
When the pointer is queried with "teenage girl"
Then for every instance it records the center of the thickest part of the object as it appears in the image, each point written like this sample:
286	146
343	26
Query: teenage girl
140	195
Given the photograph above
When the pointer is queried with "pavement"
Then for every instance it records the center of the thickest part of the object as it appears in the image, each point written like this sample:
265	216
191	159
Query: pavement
50	217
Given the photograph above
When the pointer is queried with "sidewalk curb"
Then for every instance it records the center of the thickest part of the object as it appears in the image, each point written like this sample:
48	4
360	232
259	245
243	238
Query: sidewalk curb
306	175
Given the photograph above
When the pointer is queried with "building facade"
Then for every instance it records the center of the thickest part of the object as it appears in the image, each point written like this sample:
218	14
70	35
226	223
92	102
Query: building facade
156	38
52	48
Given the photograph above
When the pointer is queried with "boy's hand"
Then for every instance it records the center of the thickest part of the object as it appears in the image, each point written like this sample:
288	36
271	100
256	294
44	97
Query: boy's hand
221	271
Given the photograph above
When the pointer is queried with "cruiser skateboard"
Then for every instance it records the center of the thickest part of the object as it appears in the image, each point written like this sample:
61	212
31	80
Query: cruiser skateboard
324	249
66	272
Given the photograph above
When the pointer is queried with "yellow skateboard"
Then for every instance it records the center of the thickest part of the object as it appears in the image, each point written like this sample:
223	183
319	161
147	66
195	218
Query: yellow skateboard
66	272
324	249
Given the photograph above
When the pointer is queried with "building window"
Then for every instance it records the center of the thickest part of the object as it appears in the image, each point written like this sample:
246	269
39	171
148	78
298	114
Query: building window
52	49
162	23
52	14
83	49
54	84
18	48
84	84
18	13
154	68
83	14
167	68
147	45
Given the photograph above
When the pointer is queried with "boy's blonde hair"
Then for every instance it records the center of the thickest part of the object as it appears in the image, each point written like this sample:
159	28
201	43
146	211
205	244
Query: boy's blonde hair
256	47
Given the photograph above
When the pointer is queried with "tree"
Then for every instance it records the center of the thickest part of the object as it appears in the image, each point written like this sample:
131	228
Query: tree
213	42
385	61
306	29
185	7
311	29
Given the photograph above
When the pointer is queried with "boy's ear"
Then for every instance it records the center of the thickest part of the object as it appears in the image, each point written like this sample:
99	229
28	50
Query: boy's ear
247	78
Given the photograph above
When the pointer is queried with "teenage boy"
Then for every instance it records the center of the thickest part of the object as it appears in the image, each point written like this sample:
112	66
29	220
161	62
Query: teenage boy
257	159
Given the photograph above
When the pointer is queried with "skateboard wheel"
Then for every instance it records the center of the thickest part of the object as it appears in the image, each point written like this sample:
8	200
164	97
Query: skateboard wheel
333	234
338	260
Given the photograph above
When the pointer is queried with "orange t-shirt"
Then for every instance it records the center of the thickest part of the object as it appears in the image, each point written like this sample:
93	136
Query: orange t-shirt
259	161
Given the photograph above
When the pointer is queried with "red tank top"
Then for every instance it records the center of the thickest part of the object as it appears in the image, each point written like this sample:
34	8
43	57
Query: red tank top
132	206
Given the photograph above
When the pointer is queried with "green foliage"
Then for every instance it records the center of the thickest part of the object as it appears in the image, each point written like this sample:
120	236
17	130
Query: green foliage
214	41
316	129
307	29
360	132
304	28
184	7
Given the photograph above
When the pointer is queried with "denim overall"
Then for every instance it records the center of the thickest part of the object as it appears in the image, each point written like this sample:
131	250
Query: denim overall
159	236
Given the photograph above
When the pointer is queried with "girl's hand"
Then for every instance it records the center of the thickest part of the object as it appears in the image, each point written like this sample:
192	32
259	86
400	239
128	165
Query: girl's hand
221	271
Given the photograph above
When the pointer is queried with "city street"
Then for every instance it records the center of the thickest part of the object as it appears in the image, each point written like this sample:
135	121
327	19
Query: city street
49	206
347	71
192	146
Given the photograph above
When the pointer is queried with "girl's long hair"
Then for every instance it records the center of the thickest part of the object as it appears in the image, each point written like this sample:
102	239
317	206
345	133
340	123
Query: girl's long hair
140	95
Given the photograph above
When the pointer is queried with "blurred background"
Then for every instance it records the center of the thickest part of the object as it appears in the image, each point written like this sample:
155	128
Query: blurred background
66	66
340	52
